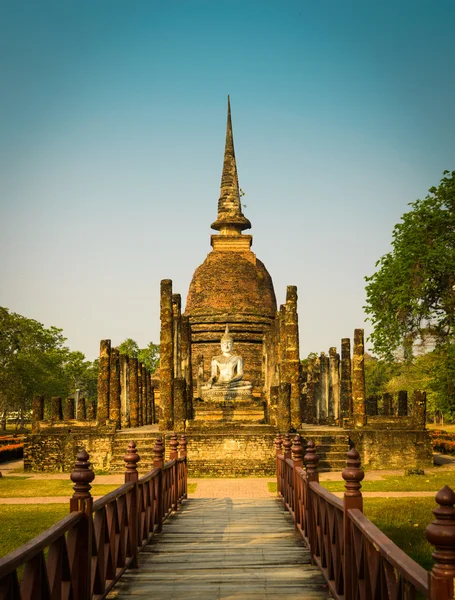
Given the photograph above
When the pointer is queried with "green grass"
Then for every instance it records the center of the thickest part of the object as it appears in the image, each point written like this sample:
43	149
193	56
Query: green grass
23	487
192	488
409	483
404	521
272	486
21	523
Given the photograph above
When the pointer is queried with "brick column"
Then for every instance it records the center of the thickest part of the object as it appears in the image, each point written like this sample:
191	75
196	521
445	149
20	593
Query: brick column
166	356
292	353
324	385
309	393
284	407
81	410
179	404
187	369
124	391
358	380
273	414
346	381
56	409
139	394
144	393
317	390
68	413
133	392
37	412
102	411
114	387
334	385
176	326
419	409
402	403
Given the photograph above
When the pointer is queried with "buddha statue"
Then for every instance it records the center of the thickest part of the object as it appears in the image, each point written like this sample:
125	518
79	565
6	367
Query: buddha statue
226	380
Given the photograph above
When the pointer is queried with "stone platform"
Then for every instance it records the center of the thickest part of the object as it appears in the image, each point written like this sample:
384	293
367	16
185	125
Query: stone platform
250	410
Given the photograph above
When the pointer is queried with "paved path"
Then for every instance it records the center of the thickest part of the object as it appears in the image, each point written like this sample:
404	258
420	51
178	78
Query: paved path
220	548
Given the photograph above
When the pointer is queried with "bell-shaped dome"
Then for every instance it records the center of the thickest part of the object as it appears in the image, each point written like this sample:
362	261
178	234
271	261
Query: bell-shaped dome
231	283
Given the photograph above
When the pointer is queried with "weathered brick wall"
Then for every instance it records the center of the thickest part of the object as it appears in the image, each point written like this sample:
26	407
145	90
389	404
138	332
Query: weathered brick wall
392	449
55	448
231	453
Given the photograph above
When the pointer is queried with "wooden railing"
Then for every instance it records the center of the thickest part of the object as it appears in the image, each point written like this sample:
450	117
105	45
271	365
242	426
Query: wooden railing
357	560
82	556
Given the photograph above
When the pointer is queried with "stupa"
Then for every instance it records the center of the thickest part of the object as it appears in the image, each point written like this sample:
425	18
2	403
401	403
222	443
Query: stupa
232	287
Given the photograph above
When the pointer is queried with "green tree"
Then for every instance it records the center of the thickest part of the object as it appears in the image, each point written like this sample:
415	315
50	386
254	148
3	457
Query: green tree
378	374
412	295
150	356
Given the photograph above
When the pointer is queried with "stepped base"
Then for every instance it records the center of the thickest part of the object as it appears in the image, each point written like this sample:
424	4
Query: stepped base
246	411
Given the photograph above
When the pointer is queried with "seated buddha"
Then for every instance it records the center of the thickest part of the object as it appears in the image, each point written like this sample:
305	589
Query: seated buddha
226	379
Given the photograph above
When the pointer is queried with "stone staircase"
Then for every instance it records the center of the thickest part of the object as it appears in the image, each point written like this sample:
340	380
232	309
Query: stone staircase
332	445
145	438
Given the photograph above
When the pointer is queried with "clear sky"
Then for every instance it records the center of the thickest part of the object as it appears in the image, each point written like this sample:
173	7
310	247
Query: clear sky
112	128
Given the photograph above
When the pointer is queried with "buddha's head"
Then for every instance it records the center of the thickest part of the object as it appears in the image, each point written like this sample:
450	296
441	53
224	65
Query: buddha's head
227	341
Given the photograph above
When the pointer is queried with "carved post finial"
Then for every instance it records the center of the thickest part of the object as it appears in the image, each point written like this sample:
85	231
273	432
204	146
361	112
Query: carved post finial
183	445
131	459
441	534
353	475
311	460
174	446
81	476
278	444
158	453
287	445
297	451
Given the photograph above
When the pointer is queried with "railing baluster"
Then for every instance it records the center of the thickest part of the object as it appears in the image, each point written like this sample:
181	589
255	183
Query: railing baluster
158	462
311	460
131	459
441	534
353	475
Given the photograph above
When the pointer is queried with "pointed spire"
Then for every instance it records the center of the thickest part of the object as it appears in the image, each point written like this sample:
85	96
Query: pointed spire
230	214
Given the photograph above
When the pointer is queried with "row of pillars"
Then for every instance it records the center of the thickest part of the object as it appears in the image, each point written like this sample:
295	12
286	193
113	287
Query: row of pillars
126	395
73	408
176	385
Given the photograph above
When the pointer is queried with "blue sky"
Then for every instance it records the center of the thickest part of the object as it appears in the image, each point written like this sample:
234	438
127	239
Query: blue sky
112	126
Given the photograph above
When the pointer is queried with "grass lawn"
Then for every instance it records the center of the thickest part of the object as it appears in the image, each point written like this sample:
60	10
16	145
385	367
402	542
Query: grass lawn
24	487
19	523
404	521
192	488
409	483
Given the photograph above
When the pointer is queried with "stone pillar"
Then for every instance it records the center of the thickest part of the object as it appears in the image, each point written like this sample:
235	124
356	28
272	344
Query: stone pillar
114	387
334	385
273	415
144	393
81	410
124	391
91	410
179	404
283	372
68	413
372	406
293	353
176	320
153	405
358	380
346	381
419	409
133	392
102	411
77	395
148	387
309	393
187	368
37	412
139	395
387	404
284	407
317	390
402	403
56	409
166	356
324	387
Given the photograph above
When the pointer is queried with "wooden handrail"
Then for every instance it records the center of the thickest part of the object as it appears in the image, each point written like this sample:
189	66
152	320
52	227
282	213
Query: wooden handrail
343	542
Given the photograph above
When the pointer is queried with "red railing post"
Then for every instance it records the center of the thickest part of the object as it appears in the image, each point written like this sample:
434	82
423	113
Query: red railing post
287	445
158	462
183	454
311	460
173	455
131	459
80	546
441	534
278	452
353	475
297	456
